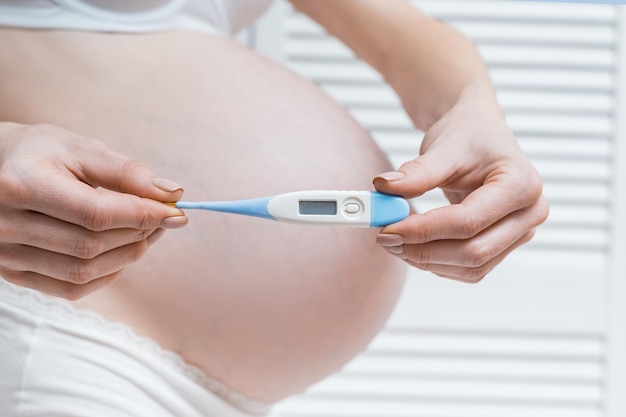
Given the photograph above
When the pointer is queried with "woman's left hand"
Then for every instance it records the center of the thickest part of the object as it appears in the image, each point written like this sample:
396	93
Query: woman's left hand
495	194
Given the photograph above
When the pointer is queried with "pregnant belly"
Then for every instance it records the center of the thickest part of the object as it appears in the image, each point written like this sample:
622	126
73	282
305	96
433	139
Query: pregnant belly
267	308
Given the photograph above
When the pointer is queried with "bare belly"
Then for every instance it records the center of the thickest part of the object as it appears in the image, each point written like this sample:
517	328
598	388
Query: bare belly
268	308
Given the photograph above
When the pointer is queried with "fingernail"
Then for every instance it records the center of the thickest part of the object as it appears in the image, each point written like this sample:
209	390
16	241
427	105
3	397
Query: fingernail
396	250
174	222
389	239
166	185
390	176
155	236
174	211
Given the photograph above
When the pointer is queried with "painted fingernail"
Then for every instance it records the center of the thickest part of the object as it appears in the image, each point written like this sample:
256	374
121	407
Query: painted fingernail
174	222
396	250
389	239
166	185
390	176
155	236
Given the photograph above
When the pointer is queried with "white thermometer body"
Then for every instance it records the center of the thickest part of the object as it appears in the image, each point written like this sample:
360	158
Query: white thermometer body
317	207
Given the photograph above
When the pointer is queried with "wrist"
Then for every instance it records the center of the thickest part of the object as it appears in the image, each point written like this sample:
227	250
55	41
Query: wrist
478	95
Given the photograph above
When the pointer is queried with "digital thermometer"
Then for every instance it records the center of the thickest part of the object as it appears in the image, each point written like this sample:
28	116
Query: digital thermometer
340	208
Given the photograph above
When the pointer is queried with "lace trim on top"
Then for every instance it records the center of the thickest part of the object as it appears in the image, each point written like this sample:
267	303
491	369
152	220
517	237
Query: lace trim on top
62	309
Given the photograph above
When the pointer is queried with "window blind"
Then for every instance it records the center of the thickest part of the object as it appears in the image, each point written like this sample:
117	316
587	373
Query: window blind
531	339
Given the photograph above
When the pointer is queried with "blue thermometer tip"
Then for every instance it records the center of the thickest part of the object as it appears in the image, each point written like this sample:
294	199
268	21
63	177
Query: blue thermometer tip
255	207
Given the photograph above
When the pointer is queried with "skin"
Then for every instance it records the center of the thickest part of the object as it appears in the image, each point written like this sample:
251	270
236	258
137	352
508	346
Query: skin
266	308
468	150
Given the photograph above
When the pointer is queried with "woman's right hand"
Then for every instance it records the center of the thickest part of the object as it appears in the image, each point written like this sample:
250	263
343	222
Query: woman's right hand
74	213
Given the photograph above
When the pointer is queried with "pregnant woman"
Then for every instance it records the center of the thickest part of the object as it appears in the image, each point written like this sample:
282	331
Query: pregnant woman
107	106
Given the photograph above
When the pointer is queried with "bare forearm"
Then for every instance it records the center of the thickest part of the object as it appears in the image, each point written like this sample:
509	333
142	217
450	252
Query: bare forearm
428	63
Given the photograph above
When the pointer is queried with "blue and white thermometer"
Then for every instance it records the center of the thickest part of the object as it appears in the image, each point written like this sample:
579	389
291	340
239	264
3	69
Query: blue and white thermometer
317	207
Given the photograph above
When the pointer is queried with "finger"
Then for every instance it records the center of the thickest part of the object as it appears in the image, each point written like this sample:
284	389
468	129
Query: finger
481	209
473	252
415	177
75	202
64	187
44	232
67	268
56	288
470	274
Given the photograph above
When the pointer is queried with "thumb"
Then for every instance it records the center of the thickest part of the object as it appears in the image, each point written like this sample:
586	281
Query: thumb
414	177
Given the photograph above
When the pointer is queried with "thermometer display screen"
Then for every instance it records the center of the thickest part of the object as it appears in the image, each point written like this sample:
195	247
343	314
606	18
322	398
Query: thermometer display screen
324	208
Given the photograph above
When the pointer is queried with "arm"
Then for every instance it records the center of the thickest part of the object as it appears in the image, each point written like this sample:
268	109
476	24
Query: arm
468	151
424	60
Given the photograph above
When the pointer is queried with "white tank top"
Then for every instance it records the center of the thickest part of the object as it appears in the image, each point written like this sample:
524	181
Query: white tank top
220	17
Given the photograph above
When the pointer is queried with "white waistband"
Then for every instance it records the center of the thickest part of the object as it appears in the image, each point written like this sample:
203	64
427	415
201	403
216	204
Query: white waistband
67	329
